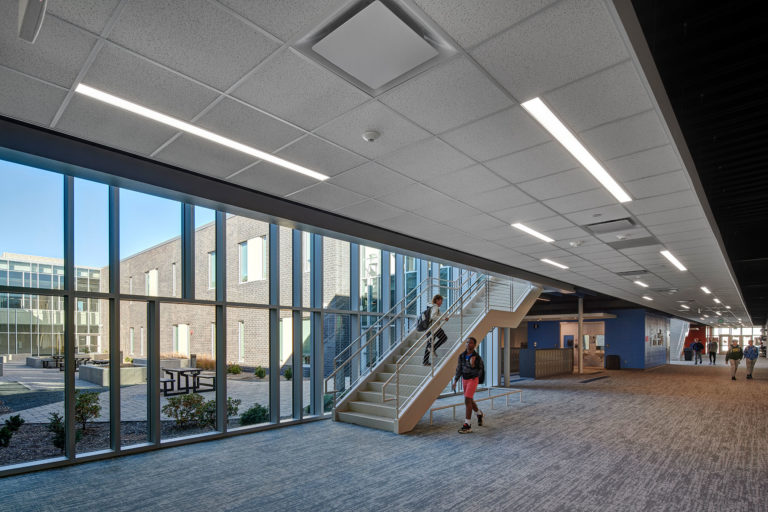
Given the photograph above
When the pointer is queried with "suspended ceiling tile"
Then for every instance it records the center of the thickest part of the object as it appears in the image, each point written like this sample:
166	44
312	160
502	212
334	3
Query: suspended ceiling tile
499	134
99	122
57	56
371	179
38	103
427	160
588	200
546	159
600	214
662	203
284	18
395	131
447	96
613	93
191	40
414	197
371	210
470	23
498	199
651	162
529	61
675	181
445	210
136	79
196	154
272	179
700	225
549	224
525	213
629	234
667	216
501	232
326	196
473	224
566	233
470	181
299	91
630	135
562	184
92	15
245	124
320	156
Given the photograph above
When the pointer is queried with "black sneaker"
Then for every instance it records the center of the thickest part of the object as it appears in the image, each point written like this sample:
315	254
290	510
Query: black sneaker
427	363
733	378
465	429
480	420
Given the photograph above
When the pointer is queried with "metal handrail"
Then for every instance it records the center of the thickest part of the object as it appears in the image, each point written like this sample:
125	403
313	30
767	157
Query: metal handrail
423	286
473	289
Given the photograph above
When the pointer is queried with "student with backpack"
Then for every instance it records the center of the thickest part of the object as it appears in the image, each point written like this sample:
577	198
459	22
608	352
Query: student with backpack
472	372
425	320
734	355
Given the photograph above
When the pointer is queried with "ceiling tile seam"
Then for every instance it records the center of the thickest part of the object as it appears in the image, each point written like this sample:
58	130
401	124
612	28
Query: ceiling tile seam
586	77
245	21
32	77
100	42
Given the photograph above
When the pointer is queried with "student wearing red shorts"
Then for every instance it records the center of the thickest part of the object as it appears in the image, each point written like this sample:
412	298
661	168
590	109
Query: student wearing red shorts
472	372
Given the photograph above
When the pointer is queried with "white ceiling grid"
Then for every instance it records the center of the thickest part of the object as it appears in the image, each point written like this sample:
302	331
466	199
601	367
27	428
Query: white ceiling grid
458	159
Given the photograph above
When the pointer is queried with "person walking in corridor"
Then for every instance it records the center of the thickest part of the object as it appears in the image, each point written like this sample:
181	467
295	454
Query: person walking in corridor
750	357
712	351
437	336
471	370
697	347
734	355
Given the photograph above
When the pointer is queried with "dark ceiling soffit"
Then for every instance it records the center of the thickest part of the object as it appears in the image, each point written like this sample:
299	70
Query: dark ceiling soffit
637	44
67	154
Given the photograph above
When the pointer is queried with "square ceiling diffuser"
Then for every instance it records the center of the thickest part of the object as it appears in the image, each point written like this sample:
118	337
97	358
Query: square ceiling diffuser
376	46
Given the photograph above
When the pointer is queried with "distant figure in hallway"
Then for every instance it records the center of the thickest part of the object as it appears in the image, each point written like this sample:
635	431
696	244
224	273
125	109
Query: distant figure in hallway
734	355
439	335
750	358
472	372
697	347
712	350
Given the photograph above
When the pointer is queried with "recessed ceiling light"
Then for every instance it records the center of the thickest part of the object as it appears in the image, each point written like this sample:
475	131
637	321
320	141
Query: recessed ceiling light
640	283
553	125
717	300
705	290
558	265
727	307
532	232
706	316
684	306
717	313
194	130
647	297
673	260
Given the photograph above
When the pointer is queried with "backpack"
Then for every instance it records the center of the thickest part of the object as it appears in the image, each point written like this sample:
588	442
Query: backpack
422	324
480	371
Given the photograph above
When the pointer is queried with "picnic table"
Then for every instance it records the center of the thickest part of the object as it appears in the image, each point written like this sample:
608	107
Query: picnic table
175	375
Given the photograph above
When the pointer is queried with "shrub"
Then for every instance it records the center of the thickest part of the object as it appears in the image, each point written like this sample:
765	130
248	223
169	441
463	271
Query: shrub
193	409
256	414
288	373
87	406
260	372
56	426
327	404
12	425
128	359
173	355
234	369
206	363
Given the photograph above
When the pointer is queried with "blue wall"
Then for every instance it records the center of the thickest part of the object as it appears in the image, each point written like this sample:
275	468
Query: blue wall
625	337
547	335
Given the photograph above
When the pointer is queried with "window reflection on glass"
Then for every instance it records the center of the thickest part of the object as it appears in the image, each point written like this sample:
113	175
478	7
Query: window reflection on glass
370	279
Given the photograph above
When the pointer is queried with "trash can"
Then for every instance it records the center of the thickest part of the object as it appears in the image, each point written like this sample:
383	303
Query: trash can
688	353
612	362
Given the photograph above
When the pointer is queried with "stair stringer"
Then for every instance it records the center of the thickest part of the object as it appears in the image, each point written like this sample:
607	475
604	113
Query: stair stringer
426	396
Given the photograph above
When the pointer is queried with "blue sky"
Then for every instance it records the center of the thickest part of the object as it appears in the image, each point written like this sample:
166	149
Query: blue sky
31	217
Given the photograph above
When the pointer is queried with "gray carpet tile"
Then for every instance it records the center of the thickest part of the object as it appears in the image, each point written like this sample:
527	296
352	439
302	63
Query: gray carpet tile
679	438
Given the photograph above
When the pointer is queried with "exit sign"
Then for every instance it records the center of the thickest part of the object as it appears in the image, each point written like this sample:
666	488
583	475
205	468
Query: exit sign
719	320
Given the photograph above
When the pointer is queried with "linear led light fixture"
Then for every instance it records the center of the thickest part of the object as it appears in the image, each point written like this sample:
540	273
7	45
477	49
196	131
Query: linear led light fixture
640	283
684	306
647	297
706	316
194	130
705	290
673	260
727	307
718	313
553	125
533	232
558	265
717	301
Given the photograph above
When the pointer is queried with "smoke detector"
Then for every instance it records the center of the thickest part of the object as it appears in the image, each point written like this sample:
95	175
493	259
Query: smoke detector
371	135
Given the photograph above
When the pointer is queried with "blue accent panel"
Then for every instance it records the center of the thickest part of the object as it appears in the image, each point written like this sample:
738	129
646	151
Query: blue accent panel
546	335
625	337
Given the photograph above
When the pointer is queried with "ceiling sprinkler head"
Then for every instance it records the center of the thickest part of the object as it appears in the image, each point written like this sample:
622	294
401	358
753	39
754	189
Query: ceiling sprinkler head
576	243
371	135
622	237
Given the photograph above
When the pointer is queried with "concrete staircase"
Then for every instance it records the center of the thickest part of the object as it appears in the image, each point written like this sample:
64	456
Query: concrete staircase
420	385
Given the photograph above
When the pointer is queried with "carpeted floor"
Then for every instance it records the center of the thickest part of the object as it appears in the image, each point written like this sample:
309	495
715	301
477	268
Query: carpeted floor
678	438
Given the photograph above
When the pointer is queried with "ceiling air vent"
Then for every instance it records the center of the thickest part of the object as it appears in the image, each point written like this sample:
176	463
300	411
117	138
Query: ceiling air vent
631	243
611	225
633	273
666	291
377	45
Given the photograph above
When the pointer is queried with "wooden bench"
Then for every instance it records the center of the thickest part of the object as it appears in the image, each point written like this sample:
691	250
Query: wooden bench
506	393
208	385
167	386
